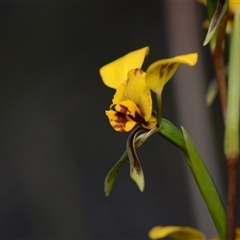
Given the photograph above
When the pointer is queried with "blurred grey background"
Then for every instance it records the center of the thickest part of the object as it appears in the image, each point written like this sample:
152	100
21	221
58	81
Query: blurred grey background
56	145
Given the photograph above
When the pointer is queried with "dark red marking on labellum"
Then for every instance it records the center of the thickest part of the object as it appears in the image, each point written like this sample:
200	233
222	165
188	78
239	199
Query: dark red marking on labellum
124	109
138	118
120	121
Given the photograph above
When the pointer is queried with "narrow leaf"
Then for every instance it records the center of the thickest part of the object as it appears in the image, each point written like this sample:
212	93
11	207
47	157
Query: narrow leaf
222	7
110	178
200	173
172	134
206	186
211	7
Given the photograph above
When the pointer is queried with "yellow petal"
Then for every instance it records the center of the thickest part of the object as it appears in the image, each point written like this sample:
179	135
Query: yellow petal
175	232
114	73
120	123
121	93
161	71
127	107
152	122
124	116
136	90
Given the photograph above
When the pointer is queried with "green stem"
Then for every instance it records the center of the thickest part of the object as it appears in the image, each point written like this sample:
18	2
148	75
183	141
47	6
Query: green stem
232	198
231	139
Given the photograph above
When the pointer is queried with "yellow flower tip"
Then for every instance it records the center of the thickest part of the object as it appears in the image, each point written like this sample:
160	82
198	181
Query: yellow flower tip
114	73
159	72
175	232
190	59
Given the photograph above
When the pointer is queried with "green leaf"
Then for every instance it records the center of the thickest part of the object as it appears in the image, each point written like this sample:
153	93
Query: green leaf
110	178
231	140
200	173
206	186
211	7
221	8
172	134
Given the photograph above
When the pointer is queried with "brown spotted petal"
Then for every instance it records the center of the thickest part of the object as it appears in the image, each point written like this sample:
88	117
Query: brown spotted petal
124	116
159	73
136	90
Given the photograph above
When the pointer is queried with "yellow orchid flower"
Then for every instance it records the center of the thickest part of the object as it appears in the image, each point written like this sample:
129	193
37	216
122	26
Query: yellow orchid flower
180	233
132	102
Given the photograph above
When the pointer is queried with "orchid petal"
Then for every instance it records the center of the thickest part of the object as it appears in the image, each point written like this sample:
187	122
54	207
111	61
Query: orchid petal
124	116
136	90
120	122
139	92
114	73
159	72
